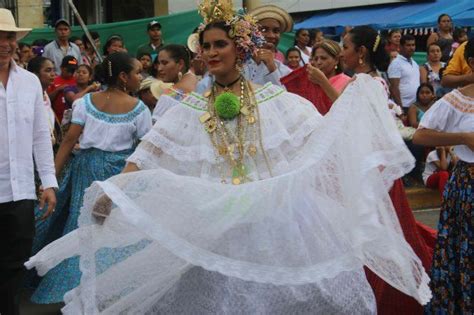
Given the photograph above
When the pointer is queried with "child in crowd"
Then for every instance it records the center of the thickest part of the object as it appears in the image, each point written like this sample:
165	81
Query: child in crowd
293	58
438	162
425	97
65	79
459	37
146	60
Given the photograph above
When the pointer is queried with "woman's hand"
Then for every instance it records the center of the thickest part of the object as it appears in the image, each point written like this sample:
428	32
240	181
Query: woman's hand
315	75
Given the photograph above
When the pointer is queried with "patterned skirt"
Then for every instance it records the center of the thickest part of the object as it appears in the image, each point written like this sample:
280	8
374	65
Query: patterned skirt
452	273
86	167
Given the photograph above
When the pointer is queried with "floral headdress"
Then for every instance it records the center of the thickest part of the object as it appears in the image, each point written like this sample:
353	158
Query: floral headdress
243	27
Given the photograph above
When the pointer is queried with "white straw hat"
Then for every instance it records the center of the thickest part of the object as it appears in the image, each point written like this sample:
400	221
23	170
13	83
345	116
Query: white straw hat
7	24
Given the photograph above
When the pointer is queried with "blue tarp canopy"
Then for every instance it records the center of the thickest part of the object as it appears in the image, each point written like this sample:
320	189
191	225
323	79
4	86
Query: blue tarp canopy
400	15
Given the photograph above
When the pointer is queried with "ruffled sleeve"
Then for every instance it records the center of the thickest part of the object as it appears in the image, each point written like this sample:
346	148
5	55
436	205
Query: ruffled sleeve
143	121
79	114
437	117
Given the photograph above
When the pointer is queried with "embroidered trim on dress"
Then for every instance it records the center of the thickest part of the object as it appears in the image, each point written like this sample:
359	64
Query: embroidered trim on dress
262	94
113	118
460	102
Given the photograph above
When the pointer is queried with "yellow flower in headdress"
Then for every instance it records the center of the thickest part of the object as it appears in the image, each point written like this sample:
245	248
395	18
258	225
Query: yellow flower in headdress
216	10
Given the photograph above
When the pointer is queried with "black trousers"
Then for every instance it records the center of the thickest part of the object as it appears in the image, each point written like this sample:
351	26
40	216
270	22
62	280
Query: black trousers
17	229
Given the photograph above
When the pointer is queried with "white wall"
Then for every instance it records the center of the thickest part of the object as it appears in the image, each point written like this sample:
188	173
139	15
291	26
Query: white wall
290	5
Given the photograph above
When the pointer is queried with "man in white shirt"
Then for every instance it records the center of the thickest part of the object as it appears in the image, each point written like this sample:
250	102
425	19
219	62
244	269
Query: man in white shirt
24	134
404	74
61	47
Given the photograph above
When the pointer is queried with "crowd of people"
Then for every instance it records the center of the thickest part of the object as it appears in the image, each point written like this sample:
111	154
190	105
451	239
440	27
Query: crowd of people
326	125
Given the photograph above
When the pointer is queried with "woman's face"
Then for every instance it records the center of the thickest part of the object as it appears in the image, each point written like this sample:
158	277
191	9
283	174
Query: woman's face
168	68
425	96
445	24
434	53
79	44
134	78
145	61
115	46
46	74
271	30
218	52
303	38
349	55
294	59
395	38
82	75
324	62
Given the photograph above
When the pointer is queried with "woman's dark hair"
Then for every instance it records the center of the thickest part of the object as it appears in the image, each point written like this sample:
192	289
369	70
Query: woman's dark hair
21	45
35	64
112	39
469	50
177	53
114	64
144	54
458	32
292	49
432	44
424	85
86	41
367	37
220	25
395	30
72	39
40	42
298	32
442	16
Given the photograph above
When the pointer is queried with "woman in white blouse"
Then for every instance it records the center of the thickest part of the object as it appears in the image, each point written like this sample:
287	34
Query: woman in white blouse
108	126
450	122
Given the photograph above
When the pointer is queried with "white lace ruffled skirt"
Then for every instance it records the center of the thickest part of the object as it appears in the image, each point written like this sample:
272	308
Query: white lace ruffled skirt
294	243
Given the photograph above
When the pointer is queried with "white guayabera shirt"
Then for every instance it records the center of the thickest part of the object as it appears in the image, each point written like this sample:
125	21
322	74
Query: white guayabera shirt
24	134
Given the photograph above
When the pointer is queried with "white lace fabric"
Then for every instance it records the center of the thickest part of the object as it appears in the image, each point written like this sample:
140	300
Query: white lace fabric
292	243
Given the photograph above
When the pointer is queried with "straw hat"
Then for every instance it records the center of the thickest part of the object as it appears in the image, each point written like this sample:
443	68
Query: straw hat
271	11
7	24
158	87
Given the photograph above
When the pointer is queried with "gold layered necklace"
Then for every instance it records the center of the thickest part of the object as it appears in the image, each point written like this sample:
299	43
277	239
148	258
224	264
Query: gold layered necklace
234	143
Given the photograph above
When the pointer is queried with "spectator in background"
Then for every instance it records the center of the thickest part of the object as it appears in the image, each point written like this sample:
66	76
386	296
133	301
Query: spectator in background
425	97
155	40
114	44
56	91
272	21
459	37
147	64
404	74
145	95
83	76
293	58
443	37
301	43
325	70
26	54
317	38
393	40
44	70
78	41
89	56
430	71
61	47
438	163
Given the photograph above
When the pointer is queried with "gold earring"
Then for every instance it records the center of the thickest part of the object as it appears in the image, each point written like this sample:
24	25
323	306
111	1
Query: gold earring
361	61
180	76
124	86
